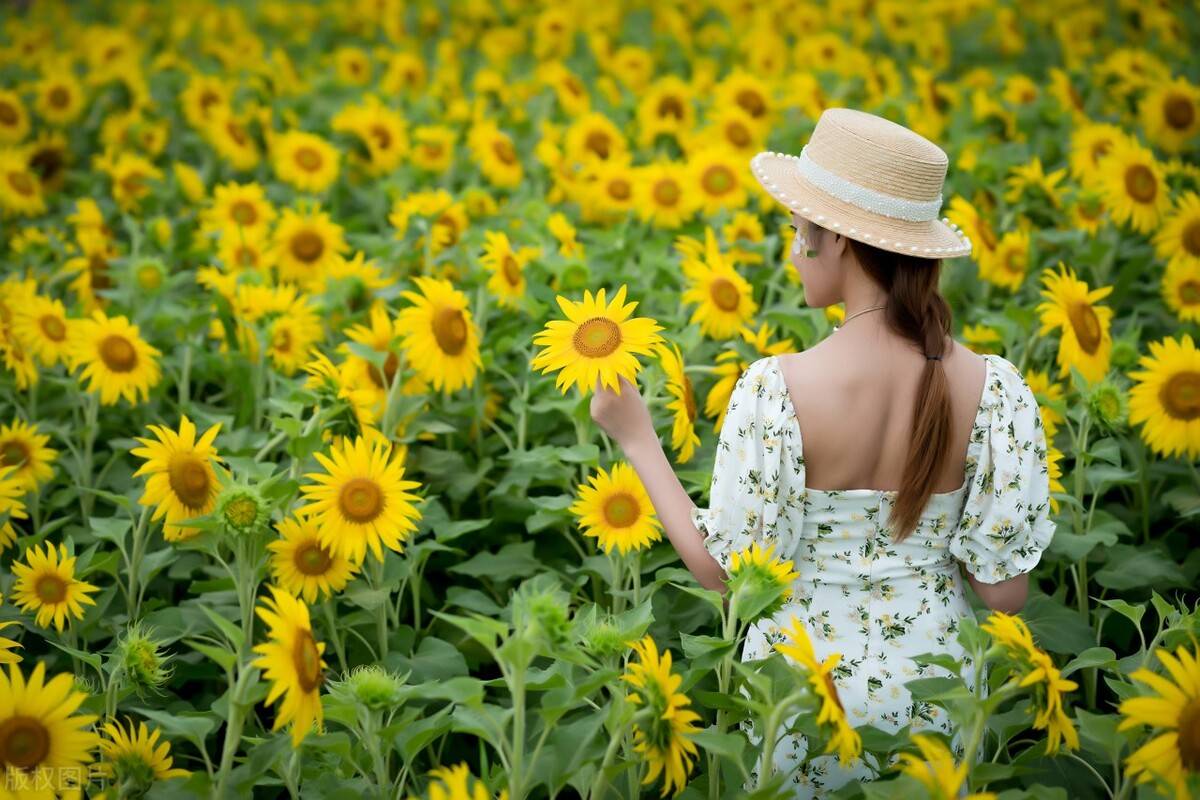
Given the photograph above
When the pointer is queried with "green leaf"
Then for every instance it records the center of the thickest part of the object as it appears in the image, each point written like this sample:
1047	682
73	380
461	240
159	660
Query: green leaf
112	529
1057	628
223	657
231	631
1132	567
1092	657
1131	612
705	652
193	726
726	744
511	562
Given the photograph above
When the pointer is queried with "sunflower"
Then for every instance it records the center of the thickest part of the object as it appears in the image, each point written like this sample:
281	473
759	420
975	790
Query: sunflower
305	244
1054	472
380	132
1181	290
240	251
238	207
732	128
767	572
1090	144
1009	262
1173	711
1027	179
304	160
1087	211
494	153
1170	114
14	119
749	93
116	362
729	368
1085	340
936	770
44	745
1178	240
20	187
457	783
976	228
291	660
665	738
1165	398
683	403
305	567
292	335
352	65
1133	186
42	326
716	179
1045	389
204	98
182	482
433	147
12	489
25	450
134	758
594	137
666	108
724	299
230	138
842	738
564	233
130	175
1034	668
9	645
91	268
190	182
439	336
663	195
615	509
361	500
46	583
47	157
598	340
507	265
59	96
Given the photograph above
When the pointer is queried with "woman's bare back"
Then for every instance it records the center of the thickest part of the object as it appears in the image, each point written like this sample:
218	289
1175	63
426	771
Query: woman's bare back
855	397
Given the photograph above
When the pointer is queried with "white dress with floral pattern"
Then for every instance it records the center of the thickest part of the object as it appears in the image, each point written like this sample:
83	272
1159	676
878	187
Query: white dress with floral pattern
875	601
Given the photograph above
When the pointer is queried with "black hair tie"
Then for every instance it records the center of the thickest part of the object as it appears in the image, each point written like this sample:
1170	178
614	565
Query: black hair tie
933	358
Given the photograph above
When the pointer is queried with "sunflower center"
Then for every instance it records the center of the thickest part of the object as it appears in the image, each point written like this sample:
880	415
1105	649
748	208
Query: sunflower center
98	272
312	559
24	742
619	189
1090	207
450	330
621	510
666	192
597	337
390	365
307	661
118	353
361	500
13	454
8	114
598	142
1140	183
717	180
1189	292
432	150
53	327
308	159
281	340
21	182
188	479
752	102
245	257
1180	396
58	97
512	270
1099	149
1014	262
1191	238
1086	325
243	213
307	246
235	132
1179	112
737	135
670	107
51	589
47	162
725	295
504	151
383	139
689	399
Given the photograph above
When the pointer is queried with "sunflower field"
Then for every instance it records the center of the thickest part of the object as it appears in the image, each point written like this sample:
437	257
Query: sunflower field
302	308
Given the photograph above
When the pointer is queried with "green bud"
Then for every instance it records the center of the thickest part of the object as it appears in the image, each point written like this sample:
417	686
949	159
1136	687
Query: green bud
242	509
374	687
1108	404
142	661
1124	354
605	639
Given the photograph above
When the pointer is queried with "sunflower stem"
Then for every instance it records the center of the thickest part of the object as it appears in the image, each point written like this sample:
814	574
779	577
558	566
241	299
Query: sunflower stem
91	409
334	633
136	551
381	611
233	729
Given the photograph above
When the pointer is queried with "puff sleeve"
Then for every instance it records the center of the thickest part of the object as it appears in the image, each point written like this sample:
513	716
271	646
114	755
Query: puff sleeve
1005	524
743	495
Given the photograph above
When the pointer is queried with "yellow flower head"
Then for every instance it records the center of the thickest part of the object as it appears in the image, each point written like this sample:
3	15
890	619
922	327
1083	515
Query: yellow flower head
664	739
46	584
843	738
291	661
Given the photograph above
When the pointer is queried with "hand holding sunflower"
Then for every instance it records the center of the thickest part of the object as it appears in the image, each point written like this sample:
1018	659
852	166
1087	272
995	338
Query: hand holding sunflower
623	416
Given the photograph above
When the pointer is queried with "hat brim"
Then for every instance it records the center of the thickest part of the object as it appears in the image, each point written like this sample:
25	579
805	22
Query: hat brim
779	176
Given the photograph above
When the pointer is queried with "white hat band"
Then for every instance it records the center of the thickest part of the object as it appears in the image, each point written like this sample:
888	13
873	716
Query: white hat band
864	197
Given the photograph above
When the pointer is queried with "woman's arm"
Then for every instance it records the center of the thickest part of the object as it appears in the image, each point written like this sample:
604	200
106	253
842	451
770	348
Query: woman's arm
627	420
1008	595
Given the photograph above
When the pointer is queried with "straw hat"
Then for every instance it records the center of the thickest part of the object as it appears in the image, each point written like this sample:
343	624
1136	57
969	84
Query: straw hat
869	179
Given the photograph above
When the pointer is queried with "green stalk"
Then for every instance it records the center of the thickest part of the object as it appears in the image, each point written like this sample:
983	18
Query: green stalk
381	611
334	634
516	778
137	550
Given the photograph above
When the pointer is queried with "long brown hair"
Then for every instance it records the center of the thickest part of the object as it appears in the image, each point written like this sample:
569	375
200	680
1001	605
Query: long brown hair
916	310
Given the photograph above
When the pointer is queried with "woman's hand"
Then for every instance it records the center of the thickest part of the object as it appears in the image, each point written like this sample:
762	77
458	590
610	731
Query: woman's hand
624	417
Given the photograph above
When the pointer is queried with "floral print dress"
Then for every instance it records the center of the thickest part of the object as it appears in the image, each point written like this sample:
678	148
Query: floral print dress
875	601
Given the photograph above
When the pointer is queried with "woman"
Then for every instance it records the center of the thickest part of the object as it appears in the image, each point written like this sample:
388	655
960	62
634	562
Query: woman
919	459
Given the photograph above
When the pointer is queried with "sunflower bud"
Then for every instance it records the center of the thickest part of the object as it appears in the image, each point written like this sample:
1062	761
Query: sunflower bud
242	510
605	639
1108	404
1124	353
759	582
142	661
374	688
149	274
